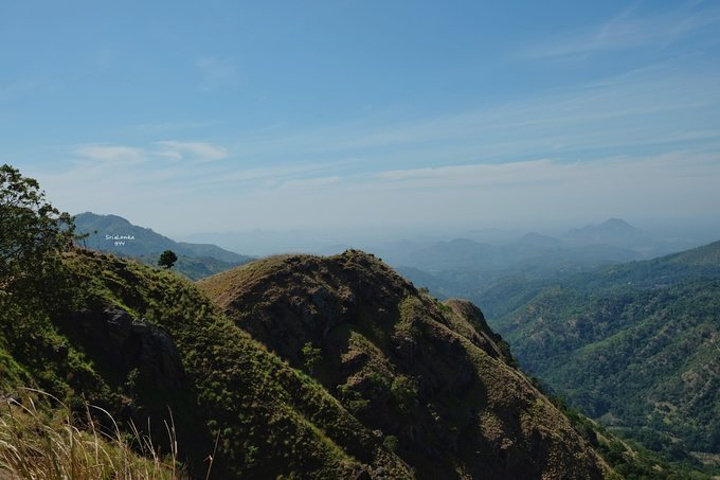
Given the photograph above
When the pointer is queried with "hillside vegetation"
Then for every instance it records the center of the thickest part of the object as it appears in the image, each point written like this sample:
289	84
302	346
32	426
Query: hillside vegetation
300	367
431	379
636	345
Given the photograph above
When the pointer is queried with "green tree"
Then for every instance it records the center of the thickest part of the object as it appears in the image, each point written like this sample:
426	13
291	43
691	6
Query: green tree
34	283
167	259
32	232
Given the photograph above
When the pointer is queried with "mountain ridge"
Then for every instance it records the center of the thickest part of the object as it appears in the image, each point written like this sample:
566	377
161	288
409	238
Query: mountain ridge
400	362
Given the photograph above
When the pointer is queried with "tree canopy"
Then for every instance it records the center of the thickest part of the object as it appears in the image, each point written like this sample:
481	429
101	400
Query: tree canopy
167	259
32	231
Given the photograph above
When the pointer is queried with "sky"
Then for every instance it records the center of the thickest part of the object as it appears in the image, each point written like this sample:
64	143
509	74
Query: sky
220	116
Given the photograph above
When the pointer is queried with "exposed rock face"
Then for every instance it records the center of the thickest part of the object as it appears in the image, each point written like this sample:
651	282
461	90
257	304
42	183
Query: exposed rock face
124	343
431	379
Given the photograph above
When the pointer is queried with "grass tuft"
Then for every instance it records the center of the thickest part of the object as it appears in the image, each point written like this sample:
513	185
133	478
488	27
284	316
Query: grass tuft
38	442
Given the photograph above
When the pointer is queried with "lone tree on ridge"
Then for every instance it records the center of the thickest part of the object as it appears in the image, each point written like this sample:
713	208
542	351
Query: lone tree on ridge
167	259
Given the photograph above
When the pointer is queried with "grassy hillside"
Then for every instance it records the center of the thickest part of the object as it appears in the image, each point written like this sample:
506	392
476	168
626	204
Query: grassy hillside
138	341
636	345
430	379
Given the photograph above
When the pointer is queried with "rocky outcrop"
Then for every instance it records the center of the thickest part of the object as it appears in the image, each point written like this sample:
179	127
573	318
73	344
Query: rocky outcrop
122	344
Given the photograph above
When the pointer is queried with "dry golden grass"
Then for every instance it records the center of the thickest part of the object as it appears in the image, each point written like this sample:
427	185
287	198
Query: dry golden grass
37	442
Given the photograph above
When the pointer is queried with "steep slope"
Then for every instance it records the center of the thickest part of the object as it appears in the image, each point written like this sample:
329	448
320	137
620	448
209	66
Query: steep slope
144	344
430	379
634	344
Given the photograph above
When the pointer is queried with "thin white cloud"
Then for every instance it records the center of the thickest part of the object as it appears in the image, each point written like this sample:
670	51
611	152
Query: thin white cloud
312	183
111	154
498	195
550	173
197	152
200	151
156	193
477	175
649	107
628	30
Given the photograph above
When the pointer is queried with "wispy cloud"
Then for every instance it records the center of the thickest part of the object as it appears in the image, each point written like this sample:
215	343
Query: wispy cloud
312	183
200	151
528	192
477	175
196	152
590	151
613	172
292	195
217	72
651	108
631	29
111	154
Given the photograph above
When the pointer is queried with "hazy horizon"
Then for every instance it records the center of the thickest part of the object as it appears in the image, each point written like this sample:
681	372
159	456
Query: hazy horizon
367	116
262	242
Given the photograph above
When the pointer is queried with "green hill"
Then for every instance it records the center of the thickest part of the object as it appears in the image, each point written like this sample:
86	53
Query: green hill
430	378
116	235
636	345
143	342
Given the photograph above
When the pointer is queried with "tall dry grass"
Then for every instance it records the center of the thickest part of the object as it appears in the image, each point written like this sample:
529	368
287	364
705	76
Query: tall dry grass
39	440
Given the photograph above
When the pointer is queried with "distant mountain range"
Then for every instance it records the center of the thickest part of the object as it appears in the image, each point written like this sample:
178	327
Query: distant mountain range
609	242
115	234
611	232
487	271
467	268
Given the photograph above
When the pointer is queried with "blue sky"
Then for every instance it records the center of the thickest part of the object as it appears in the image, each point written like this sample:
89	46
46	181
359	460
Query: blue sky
221	116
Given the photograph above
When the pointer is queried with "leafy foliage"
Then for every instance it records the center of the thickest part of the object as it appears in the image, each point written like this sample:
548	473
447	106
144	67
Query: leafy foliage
167	259
34	284
32	234
312	356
